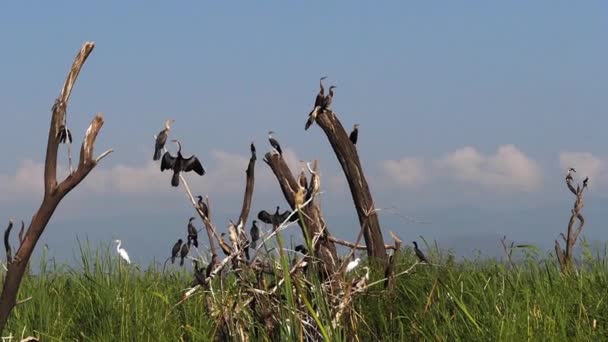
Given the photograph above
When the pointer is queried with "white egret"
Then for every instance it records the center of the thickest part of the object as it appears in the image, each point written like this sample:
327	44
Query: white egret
122	252
352	265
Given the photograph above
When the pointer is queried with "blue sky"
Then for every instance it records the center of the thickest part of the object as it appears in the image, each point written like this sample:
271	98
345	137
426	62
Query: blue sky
469	111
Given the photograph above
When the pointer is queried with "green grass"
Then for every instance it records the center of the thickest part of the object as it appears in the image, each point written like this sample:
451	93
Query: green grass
481	300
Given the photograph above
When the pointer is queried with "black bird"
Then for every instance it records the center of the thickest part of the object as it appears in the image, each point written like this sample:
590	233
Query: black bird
199	273
64	135
184	252
253	155
419	253
192	233
202	206
277	218
328	99
274	143
161	139
179	164
301	249
318	105
211	265
354	135
175	250
585	182
255	234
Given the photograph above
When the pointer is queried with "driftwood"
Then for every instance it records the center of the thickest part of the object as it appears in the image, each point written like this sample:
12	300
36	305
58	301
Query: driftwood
53	191
314	224
565	259
348	157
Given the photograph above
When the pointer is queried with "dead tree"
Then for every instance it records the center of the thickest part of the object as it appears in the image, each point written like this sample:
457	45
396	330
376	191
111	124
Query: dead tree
347	155
54	192
314	224
565	259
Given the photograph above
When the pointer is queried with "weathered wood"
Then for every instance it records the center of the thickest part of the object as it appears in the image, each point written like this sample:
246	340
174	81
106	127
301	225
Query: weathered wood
348	157
314	224
565	259
53	191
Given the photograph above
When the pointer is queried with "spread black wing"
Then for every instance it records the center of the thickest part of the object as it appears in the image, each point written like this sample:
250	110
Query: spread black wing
167	162
286	214
265	217
193	164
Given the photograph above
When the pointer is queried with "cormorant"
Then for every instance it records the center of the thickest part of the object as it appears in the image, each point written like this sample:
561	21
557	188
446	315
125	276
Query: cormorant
328	99
64	135
202	206
318	105
192	233
277	218
161	139
585	182
175	250
179	164
274	143
354	134
199	274
315	182
184	252
255	234
419	253
211	265
253	155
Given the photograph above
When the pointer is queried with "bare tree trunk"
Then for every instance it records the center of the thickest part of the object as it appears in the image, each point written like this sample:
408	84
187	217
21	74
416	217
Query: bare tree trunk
565	259
348	157
314	224
53	191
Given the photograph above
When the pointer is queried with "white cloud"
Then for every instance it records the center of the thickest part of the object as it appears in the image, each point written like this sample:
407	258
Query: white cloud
507	170
27	182
406	171
585	163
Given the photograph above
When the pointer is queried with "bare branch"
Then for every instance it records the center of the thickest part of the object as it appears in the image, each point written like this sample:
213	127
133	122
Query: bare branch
7	243
354	246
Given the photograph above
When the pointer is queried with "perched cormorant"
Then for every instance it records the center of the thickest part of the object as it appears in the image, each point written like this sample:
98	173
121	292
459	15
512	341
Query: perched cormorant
253	155
184	252
318	104
180	164
354	134
321	95
161	139
199	273
277	218
274	143
192	233
585	182
255	234
315	182
202	206
328	99
211	265
419	253
175	250
64	135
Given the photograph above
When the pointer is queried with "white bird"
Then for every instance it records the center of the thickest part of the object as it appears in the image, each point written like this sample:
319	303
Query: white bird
122	252
351	265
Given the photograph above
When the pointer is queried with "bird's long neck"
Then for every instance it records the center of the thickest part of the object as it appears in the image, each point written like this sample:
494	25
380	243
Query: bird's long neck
118	246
